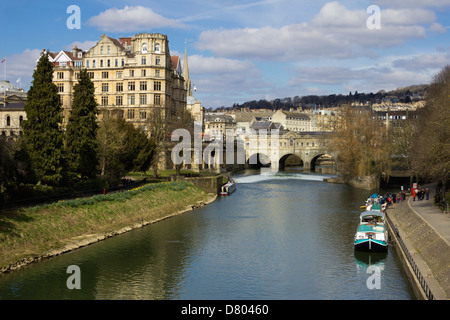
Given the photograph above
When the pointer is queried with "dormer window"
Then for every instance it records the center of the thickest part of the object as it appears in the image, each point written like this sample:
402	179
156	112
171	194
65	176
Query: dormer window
144	48
157	48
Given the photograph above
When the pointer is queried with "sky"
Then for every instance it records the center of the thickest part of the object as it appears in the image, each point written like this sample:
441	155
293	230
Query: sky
243	50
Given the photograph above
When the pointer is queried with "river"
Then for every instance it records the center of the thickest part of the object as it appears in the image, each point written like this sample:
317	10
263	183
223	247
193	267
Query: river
287	236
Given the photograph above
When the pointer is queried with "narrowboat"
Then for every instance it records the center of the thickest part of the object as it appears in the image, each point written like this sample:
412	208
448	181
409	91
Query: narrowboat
371	233
228	188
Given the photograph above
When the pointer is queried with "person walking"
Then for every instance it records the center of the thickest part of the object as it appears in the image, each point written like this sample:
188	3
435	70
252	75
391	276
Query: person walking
413	193
427	193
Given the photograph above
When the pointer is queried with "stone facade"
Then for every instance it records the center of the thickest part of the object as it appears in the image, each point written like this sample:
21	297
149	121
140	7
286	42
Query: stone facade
12	113
132	77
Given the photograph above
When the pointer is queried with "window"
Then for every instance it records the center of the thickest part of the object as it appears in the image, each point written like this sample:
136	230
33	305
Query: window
78	63
101	50
116	63
91	75
119	87
143	60
131	73
20	120
109	50
158	61
60	75
87	63
144	48
101	63
119	74
104	100
130	114
119	100
131	86
109	63
143	99
105	87
143	73
157	48
142	114
8	121
157	99
60	87
131	101
123	62
157	73
143	86
93	63
105	75
157	86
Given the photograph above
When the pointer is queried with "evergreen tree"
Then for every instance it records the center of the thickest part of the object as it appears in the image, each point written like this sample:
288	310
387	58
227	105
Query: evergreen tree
42	133
81	130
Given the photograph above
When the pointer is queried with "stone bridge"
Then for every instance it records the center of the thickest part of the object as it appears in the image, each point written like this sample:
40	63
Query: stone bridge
275	149
256	150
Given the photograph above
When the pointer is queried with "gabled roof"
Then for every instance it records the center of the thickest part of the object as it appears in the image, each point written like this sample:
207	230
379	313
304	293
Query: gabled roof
176	64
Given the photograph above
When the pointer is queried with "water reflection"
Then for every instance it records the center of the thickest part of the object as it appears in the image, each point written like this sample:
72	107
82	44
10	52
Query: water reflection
284	236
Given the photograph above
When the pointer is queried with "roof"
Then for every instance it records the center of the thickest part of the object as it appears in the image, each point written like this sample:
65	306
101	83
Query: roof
372	213
219	117
14	106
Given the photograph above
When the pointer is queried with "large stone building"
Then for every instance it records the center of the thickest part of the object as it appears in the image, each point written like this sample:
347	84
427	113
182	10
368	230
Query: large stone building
12	113
132	76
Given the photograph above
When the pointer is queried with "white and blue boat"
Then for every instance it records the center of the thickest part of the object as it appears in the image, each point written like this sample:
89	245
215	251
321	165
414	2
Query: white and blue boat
371	234
228	188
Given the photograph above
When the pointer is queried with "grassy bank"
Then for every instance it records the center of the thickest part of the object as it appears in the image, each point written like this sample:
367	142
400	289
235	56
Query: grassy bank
47	230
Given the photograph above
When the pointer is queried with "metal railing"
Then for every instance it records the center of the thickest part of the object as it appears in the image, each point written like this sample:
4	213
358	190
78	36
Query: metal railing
414	267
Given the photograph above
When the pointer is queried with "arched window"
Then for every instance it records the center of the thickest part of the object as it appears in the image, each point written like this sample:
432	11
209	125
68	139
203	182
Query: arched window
144	48
157	47
8	121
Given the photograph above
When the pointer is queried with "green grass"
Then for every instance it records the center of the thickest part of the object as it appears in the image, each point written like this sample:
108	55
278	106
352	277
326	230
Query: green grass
35	231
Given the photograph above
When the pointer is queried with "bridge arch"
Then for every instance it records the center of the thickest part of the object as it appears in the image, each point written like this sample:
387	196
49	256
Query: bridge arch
322	159
290	159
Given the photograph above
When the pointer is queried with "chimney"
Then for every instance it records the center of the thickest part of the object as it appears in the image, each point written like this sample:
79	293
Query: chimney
75	51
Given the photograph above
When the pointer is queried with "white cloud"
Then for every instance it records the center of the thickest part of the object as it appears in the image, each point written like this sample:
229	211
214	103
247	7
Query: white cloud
370	79
414	3
210	65
335	32
130	19
85	45
429	61
22	65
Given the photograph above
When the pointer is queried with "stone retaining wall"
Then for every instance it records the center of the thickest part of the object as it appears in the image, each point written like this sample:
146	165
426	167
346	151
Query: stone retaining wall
430	252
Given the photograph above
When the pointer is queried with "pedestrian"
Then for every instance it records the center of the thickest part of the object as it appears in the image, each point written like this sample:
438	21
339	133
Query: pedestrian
413	193
427	193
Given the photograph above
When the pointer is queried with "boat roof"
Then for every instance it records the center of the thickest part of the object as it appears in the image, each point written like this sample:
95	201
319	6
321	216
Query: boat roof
372	213
370	228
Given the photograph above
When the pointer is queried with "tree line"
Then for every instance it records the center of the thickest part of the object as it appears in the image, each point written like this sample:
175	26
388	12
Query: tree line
421	145
85	152
403	95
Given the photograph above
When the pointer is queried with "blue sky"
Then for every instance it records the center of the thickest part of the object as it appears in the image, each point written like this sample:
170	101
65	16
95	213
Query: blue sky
250	49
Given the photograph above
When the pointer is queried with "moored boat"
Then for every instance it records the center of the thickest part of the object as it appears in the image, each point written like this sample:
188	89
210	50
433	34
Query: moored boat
371	233
228	188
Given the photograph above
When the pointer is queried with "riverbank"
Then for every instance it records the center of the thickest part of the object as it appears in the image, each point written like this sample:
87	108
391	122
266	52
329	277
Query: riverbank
35	234
419	233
